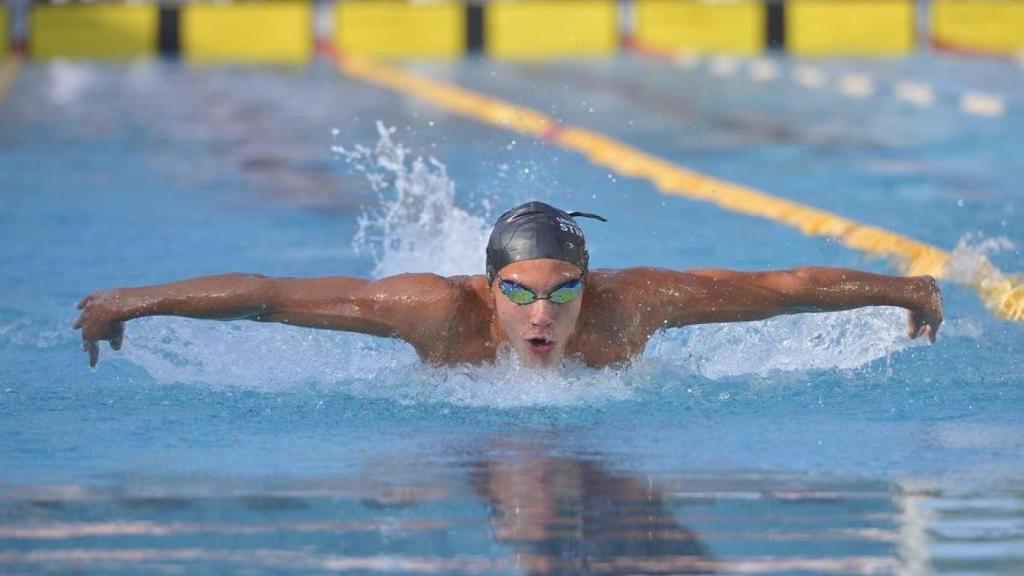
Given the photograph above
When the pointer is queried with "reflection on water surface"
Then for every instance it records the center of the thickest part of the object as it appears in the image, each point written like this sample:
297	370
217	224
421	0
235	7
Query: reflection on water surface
518	508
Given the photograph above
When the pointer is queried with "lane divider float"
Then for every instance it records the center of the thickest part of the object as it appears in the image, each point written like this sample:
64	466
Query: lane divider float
856	85
763	70
809	77
724	66
915	93
1000	293
982	104
852	85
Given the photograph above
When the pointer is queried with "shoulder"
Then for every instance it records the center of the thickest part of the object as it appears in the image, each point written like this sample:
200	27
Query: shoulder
429	299
638	281
424	295
643	298
450	321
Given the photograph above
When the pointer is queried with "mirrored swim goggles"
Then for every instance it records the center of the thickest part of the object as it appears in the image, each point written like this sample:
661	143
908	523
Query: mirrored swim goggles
561	294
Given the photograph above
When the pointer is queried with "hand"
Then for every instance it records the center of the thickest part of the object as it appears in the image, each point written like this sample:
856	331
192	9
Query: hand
100	320
926	317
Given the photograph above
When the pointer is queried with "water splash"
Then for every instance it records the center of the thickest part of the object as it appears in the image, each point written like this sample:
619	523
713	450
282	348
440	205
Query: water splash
504	384
834	341
970	260
34	333
971	266
272	358
256	356
417	227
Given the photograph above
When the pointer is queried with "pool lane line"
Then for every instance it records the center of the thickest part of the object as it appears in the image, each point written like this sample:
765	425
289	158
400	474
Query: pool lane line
8	74
851	84
999	292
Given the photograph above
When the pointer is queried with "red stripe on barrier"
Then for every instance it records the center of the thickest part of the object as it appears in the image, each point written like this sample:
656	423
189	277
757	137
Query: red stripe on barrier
950	48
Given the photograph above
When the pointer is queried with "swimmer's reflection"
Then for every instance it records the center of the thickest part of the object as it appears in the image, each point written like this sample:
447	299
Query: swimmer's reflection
570	516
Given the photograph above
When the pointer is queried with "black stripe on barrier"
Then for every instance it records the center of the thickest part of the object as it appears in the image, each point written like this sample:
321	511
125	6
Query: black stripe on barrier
169	31
775	22
474	27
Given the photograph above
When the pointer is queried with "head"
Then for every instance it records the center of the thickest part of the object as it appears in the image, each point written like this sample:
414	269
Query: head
537	265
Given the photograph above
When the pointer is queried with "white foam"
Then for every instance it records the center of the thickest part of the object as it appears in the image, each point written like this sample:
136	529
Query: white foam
25	332
273	358
833	341
418	227
254	356
970	263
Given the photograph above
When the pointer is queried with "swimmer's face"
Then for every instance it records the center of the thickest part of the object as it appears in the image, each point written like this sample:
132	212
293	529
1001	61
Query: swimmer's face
538	331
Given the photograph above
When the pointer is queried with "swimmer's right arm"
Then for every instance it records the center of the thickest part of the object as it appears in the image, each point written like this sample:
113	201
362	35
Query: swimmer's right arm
408	306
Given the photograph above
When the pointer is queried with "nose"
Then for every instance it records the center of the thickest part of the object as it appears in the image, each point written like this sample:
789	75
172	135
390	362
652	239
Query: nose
542	313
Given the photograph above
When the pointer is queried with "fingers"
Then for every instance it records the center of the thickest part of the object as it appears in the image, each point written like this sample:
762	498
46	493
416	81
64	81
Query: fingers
81	303
919	330
93	348
913	326
117	336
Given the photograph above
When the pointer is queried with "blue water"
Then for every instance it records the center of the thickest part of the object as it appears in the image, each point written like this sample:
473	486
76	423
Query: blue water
807	444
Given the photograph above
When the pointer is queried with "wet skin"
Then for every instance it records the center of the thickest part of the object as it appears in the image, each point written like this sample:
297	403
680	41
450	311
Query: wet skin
463	319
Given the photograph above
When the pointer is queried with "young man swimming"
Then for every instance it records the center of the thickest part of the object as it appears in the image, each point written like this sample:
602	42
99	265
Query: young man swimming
538	297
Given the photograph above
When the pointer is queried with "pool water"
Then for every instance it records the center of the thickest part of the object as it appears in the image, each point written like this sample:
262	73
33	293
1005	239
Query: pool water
806	444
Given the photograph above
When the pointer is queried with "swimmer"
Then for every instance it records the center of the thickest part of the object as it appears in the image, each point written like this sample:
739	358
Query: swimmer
538	297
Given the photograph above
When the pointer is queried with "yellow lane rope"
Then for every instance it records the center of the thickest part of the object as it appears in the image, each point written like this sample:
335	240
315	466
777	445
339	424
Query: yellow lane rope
1003	294
8	73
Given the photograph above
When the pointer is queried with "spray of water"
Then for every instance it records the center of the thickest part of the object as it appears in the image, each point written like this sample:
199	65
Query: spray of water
971	261
419	227
836	341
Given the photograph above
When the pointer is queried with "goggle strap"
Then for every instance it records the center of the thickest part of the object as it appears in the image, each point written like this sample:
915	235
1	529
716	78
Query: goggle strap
588	215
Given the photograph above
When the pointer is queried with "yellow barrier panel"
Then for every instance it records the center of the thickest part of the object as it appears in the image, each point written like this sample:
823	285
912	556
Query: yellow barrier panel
993	25
849	27
551	28
400	29
736	26
276	32
93	30
5	40
999	292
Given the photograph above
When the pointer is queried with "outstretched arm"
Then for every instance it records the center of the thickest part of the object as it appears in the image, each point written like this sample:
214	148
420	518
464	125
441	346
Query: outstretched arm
408	306
706	296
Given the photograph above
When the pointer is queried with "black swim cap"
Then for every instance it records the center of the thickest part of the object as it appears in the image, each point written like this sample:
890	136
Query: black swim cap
536	230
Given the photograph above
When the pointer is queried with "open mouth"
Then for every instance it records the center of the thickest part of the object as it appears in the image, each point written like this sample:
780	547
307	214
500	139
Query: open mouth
540	344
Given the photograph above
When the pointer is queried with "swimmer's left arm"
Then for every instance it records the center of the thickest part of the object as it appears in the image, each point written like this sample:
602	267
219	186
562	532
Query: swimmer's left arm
708	296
